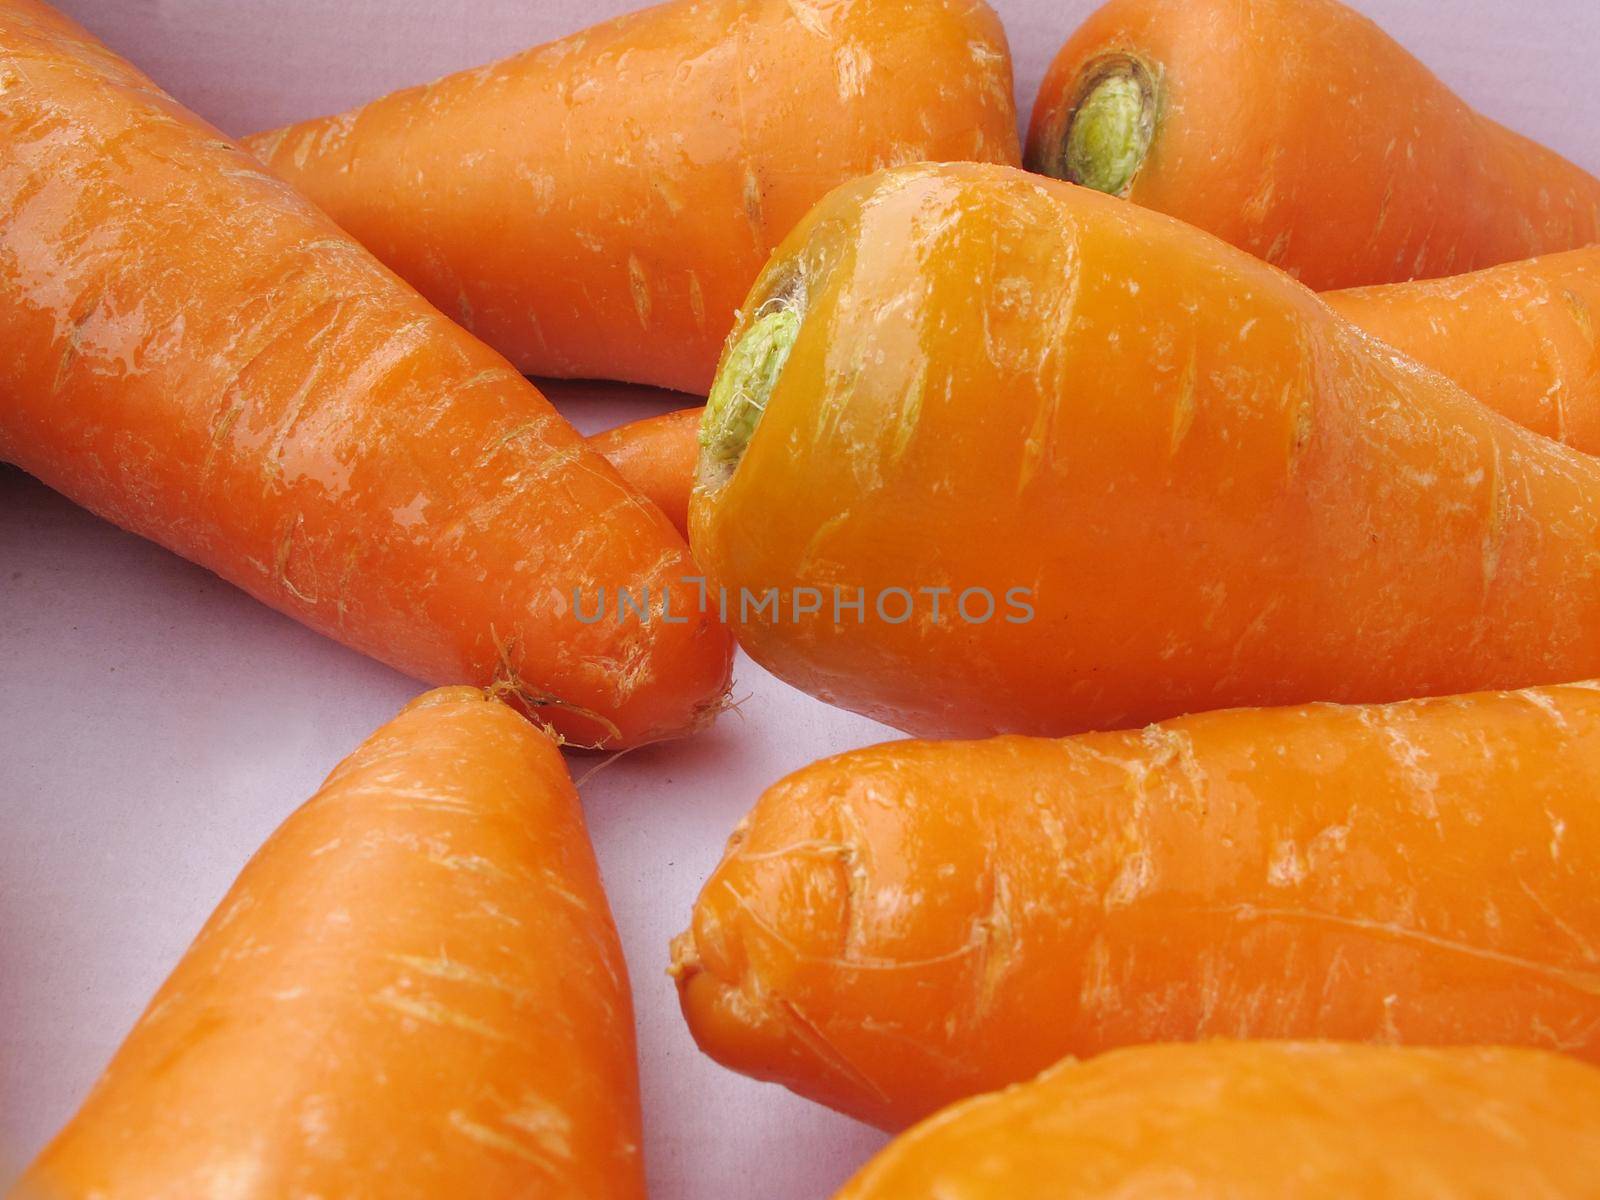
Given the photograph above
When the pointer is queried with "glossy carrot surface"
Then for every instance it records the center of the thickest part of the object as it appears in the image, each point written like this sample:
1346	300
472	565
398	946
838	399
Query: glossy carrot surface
1090	468
1264	1122
657	456
598	207
1522	338
1301	132
197	354
414	989
897	928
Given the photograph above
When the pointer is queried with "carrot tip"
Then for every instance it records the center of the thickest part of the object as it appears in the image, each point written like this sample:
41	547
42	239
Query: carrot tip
1108	129
739	396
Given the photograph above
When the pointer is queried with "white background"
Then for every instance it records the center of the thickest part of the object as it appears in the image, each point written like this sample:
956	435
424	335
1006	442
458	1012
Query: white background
155	724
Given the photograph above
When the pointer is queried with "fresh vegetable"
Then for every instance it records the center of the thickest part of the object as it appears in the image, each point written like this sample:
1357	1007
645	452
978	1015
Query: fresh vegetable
1084	467
1301	132
198	355
901	927
657	456
1263	1122
1520	337
598	207
413	990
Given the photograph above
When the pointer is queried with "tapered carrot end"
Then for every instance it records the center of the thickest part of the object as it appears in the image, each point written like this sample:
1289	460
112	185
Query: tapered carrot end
1102	138
729	1017
439	697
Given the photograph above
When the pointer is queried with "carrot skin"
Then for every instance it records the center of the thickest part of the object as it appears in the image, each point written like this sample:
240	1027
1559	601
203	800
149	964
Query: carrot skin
597	207
1520	337
414	989
656	456
198	355
897	928
1299	131
1261	1121
1208	490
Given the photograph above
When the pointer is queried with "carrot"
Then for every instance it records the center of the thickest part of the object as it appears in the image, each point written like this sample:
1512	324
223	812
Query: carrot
198	355
1518	337
1262	1122
657	456
1085	467
1298	130
901	927
597	207
413	990
1521	337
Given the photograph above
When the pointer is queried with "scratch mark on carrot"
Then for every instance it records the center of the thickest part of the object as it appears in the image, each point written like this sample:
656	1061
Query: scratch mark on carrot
1584	982
639	285
432	1012
495	1140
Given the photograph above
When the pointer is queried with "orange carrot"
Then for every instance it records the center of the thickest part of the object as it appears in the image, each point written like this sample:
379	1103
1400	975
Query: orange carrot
897	928
657	456
1521	337
1298	130
197	354
413	990
1138	472
598	207
1264	1122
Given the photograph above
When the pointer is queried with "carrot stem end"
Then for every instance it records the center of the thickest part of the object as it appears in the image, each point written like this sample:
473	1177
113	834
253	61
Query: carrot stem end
1110	129
738	398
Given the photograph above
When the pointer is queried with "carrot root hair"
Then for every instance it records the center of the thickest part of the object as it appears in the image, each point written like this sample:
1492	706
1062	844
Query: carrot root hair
509	685
705	716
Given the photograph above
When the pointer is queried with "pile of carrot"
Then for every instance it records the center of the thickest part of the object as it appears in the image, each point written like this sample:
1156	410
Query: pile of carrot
1271	616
